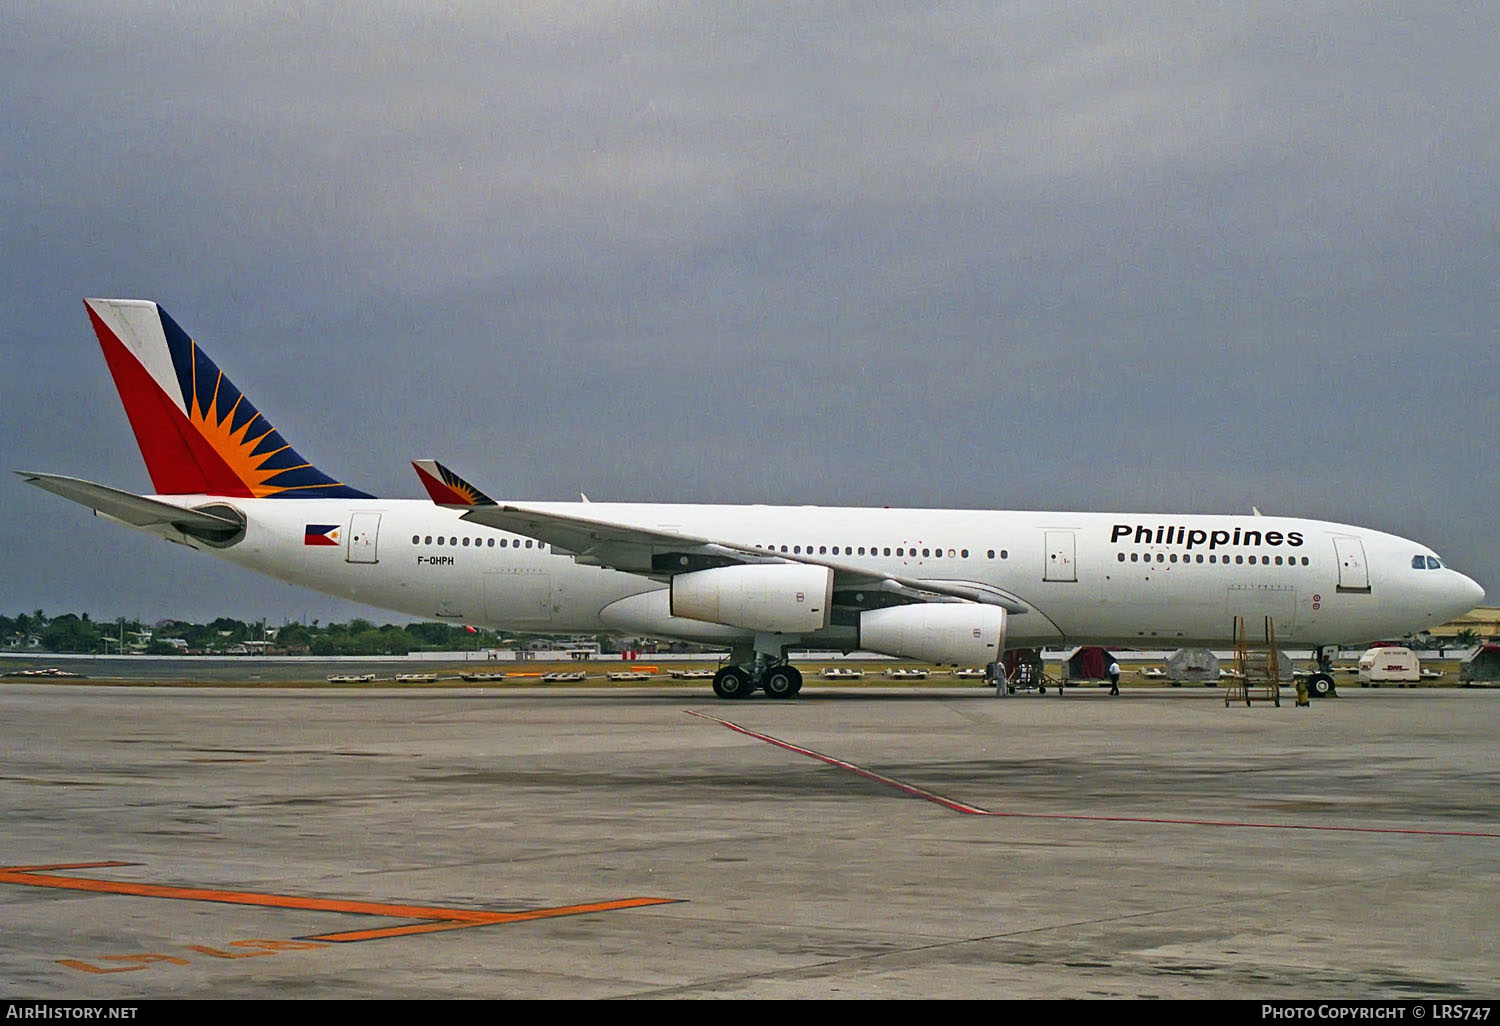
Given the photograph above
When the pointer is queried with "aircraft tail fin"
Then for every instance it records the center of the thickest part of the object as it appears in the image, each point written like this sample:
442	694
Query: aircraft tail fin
197	432
446	488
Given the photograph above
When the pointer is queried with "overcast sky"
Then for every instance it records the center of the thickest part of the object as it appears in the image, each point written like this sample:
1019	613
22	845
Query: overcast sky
1131	257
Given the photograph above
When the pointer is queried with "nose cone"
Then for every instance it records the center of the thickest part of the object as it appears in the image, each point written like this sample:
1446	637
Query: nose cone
1473	593
1465	595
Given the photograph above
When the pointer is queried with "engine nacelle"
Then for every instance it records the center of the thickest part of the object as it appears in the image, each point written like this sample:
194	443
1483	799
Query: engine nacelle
965	633
787	598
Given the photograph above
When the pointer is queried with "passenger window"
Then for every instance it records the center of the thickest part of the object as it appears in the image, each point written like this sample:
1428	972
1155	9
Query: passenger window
428	540
440	539
528	543
466	543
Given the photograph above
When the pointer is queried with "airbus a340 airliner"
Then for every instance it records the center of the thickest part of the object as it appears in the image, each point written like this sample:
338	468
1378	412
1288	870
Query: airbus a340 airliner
946	586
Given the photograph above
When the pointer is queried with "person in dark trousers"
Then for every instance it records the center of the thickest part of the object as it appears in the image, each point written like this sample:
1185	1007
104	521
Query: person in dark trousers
1114	678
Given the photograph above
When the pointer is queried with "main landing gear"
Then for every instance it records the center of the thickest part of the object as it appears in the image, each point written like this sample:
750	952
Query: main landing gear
740	679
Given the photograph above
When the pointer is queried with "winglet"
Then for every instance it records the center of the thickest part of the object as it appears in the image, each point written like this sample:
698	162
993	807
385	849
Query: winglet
446	488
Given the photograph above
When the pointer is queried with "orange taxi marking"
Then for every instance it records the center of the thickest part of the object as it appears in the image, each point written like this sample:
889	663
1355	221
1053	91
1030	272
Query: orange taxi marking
432	917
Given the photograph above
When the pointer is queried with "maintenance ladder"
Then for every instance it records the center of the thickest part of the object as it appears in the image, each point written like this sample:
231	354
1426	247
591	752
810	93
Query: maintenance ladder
1257	666
1030	674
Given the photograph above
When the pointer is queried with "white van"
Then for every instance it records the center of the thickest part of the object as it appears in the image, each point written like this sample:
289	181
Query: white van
1389	666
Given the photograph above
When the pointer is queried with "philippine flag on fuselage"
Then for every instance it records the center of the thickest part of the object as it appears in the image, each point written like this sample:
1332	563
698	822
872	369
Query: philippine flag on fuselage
321	534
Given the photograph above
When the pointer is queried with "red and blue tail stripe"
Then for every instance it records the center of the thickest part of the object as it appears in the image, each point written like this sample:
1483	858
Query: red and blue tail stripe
198	433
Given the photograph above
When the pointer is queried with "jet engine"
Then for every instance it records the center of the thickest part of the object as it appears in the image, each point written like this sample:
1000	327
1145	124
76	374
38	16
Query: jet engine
786	598
965	633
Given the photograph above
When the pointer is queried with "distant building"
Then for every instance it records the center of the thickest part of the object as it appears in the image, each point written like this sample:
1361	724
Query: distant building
1482	620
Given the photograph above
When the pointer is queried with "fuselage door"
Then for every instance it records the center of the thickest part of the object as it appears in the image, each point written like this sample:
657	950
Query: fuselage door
364	532
1062	556
517	597
1354	575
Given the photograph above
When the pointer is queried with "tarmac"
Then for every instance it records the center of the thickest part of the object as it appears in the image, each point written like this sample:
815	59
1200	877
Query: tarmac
661	843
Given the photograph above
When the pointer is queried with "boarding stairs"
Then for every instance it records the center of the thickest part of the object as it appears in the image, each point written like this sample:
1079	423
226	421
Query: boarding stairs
1257	669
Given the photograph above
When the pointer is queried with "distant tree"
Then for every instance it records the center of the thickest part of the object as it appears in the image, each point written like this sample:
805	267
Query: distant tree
69	633
432	635
1466	637
229	630
294	635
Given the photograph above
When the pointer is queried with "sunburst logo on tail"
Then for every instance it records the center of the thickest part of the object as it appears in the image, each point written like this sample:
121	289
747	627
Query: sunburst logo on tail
446	488
197	431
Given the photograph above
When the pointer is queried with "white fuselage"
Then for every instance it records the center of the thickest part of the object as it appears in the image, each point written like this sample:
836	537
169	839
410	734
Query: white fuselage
1101	578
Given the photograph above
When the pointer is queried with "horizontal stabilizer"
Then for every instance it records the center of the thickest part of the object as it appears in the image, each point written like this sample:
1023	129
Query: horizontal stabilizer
446	488
132	509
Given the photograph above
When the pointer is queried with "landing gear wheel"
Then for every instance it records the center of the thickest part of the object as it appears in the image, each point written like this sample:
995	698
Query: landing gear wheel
1320	685
782	681
732	682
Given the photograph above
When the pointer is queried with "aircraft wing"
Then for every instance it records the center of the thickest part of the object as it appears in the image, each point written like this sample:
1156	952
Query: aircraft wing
659	552
132	509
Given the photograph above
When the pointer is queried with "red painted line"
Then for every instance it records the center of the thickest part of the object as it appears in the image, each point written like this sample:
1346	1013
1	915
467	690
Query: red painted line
974	810
947	803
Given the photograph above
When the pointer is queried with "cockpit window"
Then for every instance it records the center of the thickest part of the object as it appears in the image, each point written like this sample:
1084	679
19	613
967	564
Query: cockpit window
1433	563
1419	562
